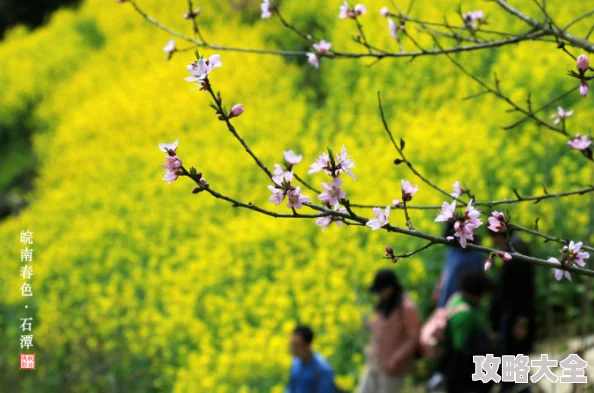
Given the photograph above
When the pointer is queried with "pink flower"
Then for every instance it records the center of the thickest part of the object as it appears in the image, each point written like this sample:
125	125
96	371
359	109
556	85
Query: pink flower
168	147
504	255
360	9
397	203
582	63
571	255
322	164
345	11
385	12
408	190
282	177
447	212
278	171
266	8
464	228
170	47
295	198
575	253
201	68
332	193
580	142
313	59
291	158
464	231
457	189
278	196
561	115
559	273
173	168
345	164
381	219
473	18
322	46
325	221
583	88
173	163
489	262
471	213
497	222
392	29
236	110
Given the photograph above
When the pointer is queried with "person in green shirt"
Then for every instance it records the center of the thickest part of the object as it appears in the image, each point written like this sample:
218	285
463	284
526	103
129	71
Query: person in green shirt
466	334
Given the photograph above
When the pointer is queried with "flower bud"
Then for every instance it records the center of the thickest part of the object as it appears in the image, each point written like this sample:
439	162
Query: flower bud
204	183
196	190
360	9
193	14
389	251
385	12
504	255
583	63
489	262
237	110
583	88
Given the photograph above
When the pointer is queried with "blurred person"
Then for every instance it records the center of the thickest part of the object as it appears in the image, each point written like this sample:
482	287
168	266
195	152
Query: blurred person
310	373
512	311
467	334
394	336
458	262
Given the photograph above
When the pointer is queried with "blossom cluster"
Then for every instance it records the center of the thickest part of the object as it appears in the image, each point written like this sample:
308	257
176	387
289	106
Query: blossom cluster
173	163
201	68
347	12
571	255
321	48
333	165
464	225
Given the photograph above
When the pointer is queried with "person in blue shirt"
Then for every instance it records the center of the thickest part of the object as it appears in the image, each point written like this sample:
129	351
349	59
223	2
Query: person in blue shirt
459	261
310	373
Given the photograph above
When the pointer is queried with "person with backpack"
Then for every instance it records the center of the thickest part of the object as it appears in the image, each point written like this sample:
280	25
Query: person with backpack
310	372
394	336
467	334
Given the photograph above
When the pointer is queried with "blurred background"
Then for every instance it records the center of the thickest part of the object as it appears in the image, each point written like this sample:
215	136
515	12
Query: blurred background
141	286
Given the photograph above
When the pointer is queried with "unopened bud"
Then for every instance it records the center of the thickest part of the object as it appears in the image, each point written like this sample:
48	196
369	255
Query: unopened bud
189	15
204	183
489	262
237	110
583	88
583	63
196	190
389	251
